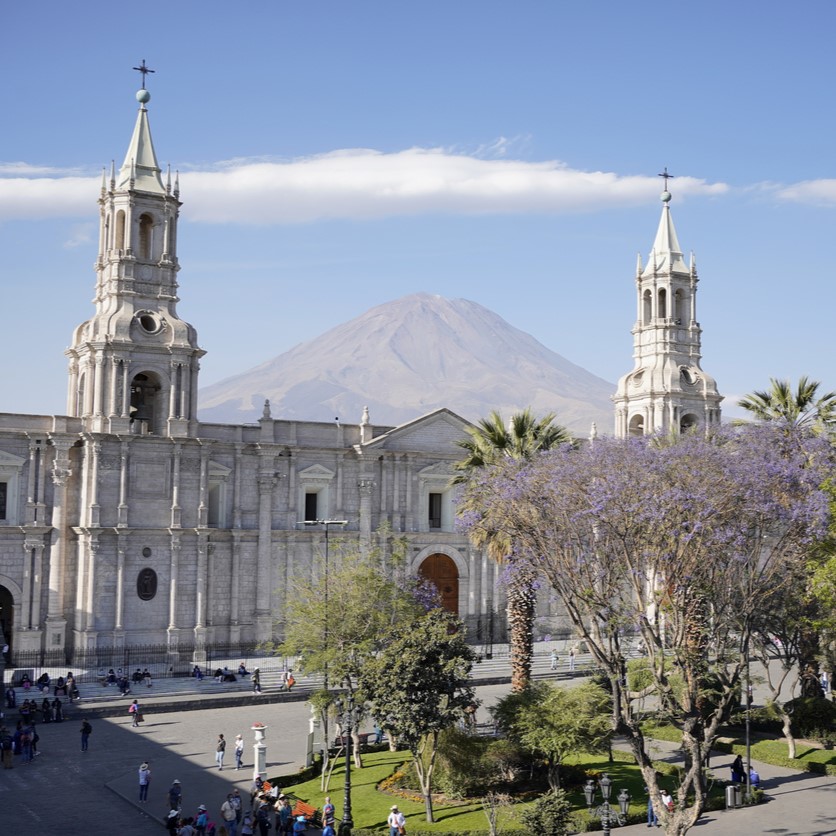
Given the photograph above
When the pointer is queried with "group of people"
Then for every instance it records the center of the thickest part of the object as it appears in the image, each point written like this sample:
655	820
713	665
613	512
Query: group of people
61	687
268	809
238	751
23	741
738	774
555	659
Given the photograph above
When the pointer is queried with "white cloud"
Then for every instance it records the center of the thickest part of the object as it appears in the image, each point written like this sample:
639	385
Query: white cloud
815	192
80	234
361	184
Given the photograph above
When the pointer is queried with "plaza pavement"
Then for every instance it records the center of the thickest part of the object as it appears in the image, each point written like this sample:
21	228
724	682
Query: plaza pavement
70	792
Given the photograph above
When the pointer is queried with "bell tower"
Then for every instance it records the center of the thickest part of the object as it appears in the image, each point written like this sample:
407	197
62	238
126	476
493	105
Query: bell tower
667	392
134	365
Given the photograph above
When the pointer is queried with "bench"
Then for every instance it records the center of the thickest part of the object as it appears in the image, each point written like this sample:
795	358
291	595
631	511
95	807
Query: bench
363	738
301	808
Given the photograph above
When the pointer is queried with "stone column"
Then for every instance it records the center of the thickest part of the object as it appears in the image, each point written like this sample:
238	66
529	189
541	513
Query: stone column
263	581
200	597
175	492
56	623
259	751
119	614
172	590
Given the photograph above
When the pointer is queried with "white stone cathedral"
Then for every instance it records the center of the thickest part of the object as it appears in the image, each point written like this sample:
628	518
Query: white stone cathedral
128	522
667	391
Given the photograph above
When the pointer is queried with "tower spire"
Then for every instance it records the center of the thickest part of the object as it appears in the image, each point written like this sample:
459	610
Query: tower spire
667	391
141	154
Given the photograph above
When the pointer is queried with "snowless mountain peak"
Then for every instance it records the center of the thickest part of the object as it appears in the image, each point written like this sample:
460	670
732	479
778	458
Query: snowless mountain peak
405	358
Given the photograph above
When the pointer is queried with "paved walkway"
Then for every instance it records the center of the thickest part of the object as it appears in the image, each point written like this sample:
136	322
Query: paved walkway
70	792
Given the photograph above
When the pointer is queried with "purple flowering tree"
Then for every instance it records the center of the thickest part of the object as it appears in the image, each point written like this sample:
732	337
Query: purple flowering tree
679	544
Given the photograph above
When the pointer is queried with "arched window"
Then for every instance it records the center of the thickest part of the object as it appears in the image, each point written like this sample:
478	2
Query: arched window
647	307
688	422
636	426
146	227
145	404
119	242
680	314
663	303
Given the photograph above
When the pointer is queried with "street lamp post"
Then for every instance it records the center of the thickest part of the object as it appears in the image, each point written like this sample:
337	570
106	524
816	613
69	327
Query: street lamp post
327	524
604	810
346	708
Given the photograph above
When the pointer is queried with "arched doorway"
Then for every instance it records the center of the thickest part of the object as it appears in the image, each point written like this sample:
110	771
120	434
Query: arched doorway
7	616
440	570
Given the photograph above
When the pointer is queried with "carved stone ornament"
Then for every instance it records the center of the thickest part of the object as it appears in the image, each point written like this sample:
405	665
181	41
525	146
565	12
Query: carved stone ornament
146	584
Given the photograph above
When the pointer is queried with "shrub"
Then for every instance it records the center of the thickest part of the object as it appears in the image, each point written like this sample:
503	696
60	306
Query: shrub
551	815
811	715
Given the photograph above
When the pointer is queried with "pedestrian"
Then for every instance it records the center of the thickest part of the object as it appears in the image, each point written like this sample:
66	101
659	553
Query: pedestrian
247	825
328	830
396	821
172	822
291	681
262	817
255	790
86	731
236	802
228	814
46	710
571	659
186	827
220	750
135	713
239	752
284	815
144	781
667	801
328	813
11	697
652	818
300	825
256	681
6	748
554	660
175	796
57	711
738	776
201	821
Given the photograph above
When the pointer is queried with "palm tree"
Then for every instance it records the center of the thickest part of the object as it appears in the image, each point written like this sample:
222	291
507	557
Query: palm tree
491	442
800	408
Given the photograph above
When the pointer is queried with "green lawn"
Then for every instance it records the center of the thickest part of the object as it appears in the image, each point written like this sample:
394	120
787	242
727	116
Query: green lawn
370	807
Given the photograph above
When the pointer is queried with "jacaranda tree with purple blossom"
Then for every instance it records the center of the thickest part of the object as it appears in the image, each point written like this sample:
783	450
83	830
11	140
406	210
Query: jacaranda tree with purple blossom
680	543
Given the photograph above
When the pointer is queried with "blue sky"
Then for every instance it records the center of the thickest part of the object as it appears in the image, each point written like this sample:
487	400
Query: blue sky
337	155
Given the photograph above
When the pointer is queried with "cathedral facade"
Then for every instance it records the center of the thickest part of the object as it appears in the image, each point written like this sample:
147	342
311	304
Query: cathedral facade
129	522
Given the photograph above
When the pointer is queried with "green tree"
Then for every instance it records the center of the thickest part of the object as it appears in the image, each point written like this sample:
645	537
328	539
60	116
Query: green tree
643	536
491	442
556	723
803	408
419	685
338	633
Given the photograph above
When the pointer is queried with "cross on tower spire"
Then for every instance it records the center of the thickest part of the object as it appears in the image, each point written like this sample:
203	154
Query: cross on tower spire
663	174
145	70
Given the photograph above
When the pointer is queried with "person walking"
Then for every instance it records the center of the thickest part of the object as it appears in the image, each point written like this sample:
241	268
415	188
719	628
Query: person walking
328	813
239	752
571	659
86	731
135	713
175	796
236	803
6	748
554	660
256	681
220	751
57	711
144	781
396	821
652	818
228	814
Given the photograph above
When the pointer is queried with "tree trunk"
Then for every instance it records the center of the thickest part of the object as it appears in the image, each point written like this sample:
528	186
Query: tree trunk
786	721
522	598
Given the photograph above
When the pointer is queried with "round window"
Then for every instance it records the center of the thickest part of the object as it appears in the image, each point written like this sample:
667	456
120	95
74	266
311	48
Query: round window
149	322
